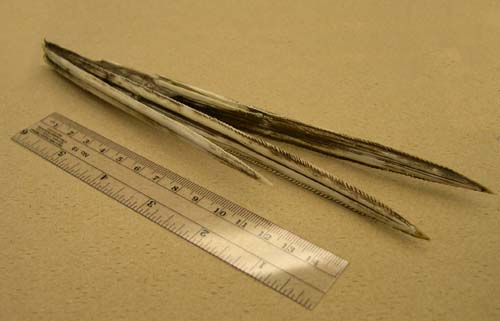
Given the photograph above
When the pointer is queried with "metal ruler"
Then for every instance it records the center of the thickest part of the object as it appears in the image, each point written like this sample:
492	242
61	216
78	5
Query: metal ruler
272	255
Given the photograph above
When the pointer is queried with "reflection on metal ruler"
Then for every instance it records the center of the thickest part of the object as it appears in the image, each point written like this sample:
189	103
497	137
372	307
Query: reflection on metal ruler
272	255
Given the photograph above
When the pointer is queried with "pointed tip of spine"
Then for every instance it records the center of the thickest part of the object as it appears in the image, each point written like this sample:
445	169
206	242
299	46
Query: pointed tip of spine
473	185
46	43
486	190
420	235
264	180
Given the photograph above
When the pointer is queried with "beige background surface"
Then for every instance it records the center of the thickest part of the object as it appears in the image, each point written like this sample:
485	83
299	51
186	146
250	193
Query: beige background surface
422	76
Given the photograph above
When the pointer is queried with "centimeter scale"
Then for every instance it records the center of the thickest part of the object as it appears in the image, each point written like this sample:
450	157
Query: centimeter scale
272	255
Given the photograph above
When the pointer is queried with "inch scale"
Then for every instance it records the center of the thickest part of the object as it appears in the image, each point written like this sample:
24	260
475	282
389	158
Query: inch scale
270	254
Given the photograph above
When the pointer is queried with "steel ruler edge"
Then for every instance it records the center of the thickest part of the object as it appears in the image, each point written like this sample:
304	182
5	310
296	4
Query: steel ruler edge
270	254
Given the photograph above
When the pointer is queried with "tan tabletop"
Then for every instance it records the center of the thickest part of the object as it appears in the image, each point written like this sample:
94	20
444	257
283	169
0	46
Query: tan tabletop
421	76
